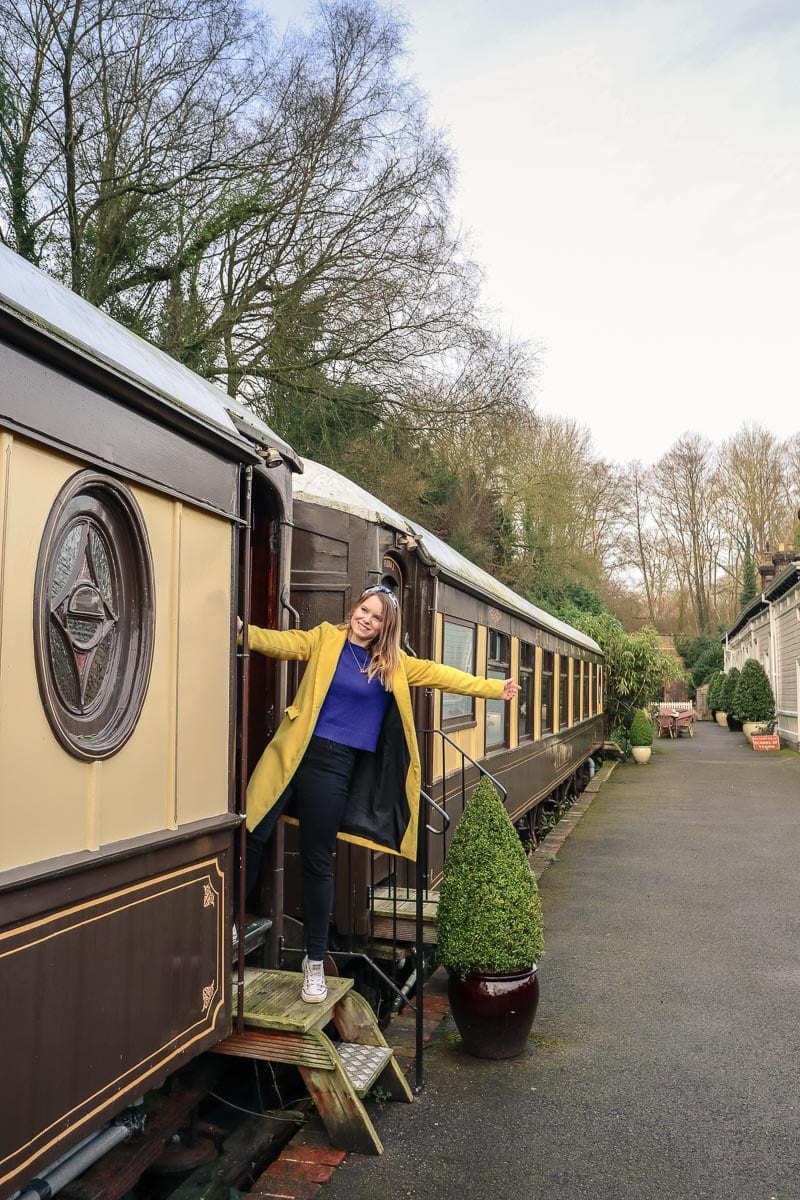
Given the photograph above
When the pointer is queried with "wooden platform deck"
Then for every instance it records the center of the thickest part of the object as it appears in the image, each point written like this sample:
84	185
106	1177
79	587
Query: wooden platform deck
272	1001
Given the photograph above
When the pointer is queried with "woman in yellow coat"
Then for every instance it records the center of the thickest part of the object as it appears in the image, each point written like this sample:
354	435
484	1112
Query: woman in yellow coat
345	761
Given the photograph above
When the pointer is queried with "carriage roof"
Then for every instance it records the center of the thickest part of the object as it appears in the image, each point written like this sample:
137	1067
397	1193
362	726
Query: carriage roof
323	486
42	303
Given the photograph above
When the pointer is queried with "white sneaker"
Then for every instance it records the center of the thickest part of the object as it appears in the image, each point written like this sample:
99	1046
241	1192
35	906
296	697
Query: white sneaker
314	989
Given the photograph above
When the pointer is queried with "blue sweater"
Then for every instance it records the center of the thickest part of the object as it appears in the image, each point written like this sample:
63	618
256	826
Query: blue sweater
353	710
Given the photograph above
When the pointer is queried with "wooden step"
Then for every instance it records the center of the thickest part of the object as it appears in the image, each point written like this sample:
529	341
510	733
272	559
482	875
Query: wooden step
397	918
280	1027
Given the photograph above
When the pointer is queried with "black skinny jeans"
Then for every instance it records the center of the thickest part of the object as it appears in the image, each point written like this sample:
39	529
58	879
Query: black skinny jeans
319	789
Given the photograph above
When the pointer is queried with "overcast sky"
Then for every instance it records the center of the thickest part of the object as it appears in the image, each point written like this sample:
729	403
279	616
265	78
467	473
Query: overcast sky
629	177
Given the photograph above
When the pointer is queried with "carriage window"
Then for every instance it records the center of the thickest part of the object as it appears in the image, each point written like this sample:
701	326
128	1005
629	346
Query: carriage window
94	616
563	692
587	670
576	691
458	651
498	667
525	697
546	695
598	688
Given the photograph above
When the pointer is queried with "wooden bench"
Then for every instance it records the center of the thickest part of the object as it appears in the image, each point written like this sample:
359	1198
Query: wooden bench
280	1027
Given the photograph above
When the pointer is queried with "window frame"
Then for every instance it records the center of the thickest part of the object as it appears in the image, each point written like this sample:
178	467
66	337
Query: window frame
563	692
94	588
526	679
497	668
576	690
546	703
461	720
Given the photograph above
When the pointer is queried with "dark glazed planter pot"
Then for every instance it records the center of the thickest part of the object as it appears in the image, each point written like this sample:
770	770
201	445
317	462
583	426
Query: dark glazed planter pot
734	724
494	1013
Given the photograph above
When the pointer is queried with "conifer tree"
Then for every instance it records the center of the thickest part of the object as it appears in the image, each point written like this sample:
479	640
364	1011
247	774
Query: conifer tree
748	591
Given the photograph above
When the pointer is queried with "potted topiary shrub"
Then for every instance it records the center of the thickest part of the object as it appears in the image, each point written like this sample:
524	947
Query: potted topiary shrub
716	692
713	694
754	702
729	700
489	925
641	735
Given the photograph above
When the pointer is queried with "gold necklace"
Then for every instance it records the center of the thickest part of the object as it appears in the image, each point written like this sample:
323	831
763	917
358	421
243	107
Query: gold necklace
362	670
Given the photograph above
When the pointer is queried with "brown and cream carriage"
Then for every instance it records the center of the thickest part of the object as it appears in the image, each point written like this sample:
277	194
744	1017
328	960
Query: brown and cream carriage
124	488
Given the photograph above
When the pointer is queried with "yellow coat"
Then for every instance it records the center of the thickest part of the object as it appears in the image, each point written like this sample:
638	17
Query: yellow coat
381	813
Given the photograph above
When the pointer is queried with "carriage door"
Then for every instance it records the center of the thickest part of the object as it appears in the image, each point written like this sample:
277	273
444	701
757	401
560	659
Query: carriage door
265	577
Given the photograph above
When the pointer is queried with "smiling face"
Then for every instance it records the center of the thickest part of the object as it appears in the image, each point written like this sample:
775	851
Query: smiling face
366	621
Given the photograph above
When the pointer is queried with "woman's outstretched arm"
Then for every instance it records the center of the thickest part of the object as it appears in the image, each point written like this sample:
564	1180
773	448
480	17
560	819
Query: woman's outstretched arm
294	644
421	672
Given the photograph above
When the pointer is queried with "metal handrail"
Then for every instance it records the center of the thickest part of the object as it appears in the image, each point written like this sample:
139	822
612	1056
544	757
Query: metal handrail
421	890
460	750
443	813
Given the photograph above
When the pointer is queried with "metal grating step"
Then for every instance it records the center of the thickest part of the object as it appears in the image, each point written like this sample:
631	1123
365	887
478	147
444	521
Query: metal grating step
255	934
363	1064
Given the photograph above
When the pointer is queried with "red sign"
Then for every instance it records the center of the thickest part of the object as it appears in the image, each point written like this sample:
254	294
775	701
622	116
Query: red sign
766	741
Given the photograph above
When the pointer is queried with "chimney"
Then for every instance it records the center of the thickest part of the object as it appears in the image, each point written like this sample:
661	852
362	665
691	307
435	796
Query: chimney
766	568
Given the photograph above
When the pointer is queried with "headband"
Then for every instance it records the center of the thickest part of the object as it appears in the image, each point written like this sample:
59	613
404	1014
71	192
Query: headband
380	587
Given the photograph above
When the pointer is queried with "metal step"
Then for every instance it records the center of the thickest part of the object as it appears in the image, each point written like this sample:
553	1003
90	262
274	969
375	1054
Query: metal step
363	1064
255	934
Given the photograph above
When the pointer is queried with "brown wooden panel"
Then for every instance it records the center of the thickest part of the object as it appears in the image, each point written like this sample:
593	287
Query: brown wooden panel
105	996
94	427
483	611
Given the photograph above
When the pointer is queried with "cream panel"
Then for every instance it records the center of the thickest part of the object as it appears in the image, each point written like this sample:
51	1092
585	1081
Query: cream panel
43	789
204	666
137	791
513	707
175	767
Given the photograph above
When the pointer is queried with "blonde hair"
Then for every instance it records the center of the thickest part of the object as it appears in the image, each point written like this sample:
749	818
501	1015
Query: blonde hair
385	649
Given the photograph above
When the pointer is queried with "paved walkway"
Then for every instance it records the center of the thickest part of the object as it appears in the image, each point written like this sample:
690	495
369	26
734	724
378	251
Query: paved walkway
666	1051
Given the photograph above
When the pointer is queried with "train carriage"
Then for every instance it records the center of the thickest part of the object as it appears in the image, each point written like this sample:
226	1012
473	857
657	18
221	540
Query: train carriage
124	487
141	510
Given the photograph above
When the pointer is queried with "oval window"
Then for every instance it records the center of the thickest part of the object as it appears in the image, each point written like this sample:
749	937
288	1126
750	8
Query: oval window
94	615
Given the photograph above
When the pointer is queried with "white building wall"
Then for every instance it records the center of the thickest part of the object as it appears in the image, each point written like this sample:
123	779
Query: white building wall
786	615
772	637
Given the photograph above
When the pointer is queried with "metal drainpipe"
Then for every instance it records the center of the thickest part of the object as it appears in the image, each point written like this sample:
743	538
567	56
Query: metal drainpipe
773	656
243	706
422	865
57	1162
74	1164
